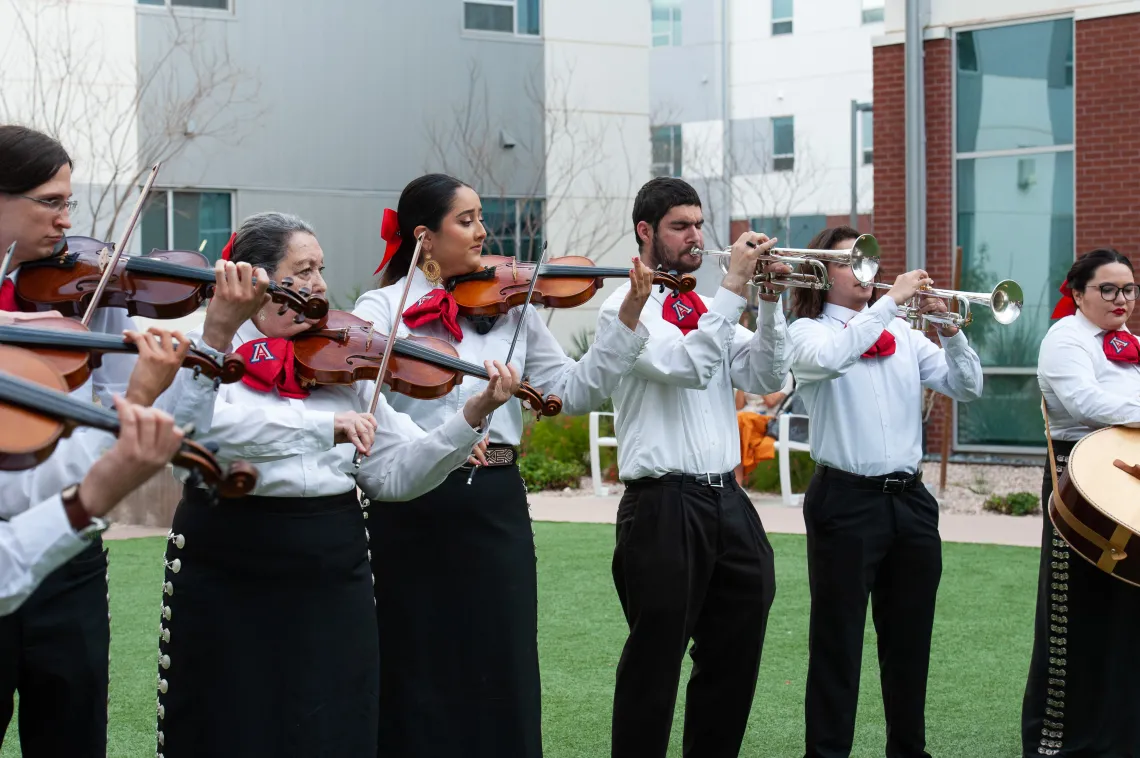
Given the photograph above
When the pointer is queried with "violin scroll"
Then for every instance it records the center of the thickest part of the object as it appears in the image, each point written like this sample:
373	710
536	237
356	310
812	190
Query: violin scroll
678	283
551	405
236	481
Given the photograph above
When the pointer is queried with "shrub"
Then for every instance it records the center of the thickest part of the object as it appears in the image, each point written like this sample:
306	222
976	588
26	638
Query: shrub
766	476
545	474
1016	504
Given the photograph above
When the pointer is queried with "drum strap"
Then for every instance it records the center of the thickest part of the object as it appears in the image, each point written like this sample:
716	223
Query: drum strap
1111	550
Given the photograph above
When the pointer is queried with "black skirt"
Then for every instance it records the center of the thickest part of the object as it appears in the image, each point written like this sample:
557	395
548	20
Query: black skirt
456	603
1082	697
268	630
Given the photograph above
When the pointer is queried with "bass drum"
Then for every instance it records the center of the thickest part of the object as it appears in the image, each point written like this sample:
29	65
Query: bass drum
1096	505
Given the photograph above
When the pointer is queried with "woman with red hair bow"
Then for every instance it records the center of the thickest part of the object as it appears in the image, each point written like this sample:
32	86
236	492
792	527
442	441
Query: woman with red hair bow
456	586
1083	691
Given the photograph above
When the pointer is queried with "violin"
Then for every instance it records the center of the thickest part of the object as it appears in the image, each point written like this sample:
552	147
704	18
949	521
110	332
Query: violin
163	284
36	412
74	351
565	282
347	349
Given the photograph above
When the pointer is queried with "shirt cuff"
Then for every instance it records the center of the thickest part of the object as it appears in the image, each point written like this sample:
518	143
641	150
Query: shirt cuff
954	344
45	535
623	342
729	304
320	424
459	433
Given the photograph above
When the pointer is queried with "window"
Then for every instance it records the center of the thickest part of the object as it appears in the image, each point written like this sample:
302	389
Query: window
201	221
781	17
868	126
508	16
873	11
666	23
791	231
514	227
783	143
1014	190
666	150
220	5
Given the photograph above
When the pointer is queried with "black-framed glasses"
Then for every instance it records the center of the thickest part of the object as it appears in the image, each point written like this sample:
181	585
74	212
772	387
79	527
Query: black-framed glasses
56	204
1109	291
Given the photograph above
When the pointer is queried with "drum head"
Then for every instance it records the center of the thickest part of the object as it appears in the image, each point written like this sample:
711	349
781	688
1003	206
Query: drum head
1114	492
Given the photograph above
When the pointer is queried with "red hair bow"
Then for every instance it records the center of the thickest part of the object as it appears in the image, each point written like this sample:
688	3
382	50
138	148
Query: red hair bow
1066	306
228	250
390	233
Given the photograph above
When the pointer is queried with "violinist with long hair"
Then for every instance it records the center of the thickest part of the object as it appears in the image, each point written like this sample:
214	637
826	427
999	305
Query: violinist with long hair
1081	698
268	642
54	648
456	583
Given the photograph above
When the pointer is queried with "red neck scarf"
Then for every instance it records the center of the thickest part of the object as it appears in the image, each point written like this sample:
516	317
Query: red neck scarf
269	366
883	346
437	304
8	297
1121	346
684	311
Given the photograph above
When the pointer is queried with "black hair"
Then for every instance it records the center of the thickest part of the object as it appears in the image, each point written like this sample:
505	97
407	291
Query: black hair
808	303
424	202
657	198
263	238
1085	267
28	159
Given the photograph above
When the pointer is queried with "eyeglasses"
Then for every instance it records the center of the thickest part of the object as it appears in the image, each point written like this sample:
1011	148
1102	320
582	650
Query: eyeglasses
1109	291
57	205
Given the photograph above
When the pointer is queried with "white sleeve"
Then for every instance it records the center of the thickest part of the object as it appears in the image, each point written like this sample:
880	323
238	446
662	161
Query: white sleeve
1066	364
819	354
758	358
72	459
955	370
406	461
191	398
585	384
32	545
687	360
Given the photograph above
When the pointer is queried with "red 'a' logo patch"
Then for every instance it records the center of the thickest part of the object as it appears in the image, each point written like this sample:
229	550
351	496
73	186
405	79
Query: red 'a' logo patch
1118	344
681	310
261	353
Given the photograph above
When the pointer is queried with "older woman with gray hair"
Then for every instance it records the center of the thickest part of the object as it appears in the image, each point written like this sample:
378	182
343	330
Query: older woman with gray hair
268	631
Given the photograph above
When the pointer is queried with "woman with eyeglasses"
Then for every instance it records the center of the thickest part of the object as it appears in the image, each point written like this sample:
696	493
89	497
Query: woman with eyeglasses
1083	691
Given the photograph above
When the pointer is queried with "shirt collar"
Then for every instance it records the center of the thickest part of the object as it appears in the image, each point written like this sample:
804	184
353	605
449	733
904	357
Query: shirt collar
248	332
840	313
1081	322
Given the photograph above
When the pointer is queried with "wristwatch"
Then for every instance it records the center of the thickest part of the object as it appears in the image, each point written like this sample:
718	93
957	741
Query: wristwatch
85	525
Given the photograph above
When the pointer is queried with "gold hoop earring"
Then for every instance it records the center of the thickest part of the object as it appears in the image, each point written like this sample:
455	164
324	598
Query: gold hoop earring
432	271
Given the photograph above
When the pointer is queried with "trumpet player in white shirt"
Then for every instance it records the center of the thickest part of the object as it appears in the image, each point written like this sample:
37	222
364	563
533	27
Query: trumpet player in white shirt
872	526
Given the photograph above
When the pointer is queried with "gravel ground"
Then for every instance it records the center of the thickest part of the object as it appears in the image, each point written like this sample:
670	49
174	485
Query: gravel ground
967	485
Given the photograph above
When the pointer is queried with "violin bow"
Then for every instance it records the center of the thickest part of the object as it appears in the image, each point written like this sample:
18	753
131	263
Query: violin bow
109	269
515	339
7	264
392	337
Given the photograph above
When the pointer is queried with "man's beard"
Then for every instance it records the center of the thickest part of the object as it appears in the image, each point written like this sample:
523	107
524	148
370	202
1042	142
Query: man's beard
679	262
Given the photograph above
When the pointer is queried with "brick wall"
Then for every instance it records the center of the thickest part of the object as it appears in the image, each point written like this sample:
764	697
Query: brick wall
1107	152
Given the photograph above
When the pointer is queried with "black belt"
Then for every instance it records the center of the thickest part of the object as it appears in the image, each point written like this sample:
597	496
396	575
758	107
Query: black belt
892	484
708	480
499	455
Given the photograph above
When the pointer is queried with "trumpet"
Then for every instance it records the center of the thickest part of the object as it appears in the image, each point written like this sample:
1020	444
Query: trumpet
1004	302
862	257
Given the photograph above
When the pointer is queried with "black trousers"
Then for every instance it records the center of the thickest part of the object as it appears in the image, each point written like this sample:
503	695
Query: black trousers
864	542
691	562
53	650
1082	696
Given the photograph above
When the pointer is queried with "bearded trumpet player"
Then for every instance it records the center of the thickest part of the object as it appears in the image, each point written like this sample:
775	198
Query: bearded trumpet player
872	527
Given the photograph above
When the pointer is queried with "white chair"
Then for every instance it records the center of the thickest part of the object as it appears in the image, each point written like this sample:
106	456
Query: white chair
784	449
596	444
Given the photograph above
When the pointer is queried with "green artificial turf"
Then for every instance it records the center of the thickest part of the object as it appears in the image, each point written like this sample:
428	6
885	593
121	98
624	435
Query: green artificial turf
982	638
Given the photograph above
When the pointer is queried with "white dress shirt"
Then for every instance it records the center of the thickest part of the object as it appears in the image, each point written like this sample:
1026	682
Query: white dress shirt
32	545
1083	389
675	412
290	440
582	385
866	415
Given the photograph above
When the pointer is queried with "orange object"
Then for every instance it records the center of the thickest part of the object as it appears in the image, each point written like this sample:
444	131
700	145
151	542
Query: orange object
755	446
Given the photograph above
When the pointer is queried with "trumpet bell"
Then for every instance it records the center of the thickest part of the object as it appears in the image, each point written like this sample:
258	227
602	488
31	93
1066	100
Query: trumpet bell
1006	301
865	258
